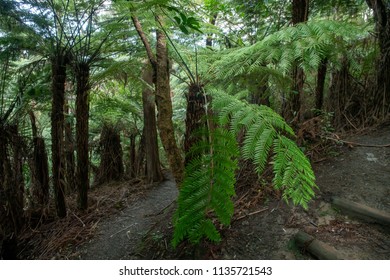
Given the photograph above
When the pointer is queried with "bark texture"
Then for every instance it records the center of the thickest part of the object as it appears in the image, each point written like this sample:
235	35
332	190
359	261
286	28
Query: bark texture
111	155
82	117
195	118
153	169
292	111
57	131
321	75
164	106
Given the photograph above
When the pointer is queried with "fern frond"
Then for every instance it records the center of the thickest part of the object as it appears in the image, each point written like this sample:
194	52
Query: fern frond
306	43
207	188
293	173
267	135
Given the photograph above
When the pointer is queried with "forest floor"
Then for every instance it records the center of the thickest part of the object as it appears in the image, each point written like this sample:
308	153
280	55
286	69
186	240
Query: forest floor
263	226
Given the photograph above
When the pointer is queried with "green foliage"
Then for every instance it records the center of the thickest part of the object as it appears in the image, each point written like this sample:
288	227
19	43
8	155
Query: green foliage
308	43
267	135
207	188
209	181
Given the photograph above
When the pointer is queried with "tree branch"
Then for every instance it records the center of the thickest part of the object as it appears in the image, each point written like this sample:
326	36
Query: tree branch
145	41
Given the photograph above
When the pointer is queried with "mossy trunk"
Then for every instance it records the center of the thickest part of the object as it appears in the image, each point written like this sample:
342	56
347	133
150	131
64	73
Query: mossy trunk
57	132
153	169
82	133
164	106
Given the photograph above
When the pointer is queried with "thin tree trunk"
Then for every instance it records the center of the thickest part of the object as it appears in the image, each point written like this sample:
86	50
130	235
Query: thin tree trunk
57	131
153	170
292	112
82	118
209	39
321	75
69	153
134	165
139	157
164	106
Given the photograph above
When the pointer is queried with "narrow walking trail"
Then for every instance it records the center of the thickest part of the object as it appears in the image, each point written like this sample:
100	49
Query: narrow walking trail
118	237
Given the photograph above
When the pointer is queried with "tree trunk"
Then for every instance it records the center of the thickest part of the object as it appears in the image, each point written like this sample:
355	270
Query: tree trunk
381	98
57	131
11	193
82	117
195	118
153	170
339	95
139	158
160	65
321	75
69	153
133	167
164	106
111	155
292	111
39	168
209	39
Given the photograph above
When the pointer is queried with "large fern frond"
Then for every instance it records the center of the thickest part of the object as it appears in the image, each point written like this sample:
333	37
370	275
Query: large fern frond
267	135
207	188
306	43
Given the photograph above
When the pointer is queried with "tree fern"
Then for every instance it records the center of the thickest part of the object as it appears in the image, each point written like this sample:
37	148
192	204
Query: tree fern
209	181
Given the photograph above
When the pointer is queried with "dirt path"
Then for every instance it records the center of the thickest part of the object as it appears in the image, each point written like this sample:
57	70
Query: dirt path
359	174
119	237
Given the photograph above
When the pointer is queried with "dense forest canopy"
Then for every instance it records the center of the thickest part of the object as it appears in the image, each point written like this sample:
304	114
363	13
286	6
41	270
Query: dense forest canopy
95	91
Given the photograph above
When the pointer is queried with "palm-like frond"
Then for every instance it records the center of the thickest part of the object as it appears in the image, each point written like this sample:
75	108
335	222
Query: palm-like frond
207	188
268	135
306	43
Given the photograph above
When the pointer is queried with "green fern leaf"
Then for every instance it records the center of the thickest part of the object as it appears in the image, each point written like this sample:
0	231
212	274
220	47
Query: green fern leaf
207	188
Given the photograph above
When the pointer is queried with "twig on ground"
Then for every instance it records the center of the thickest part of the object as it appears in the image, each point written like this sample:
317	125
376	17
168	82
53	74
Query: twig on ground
253	213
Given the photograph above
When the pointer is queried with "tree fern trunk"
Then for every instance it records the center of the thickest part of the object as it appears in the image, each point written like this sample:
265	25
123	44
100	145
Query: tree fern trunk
381	97
195	117
259	94
39	168
164	106
11	194
153	170
321	75
292	112
57	131
82	116
111	156
69	153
